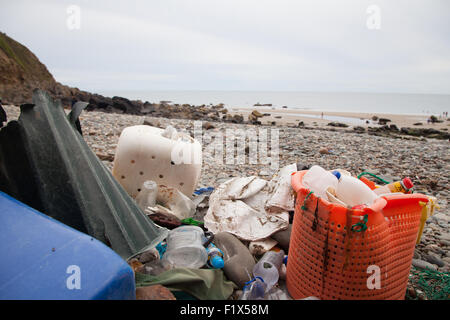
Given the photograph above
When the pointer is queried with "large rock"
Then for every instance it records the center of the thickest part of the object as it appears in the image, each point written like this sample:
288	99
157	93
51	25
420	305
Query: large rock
283	238
155	292
238	260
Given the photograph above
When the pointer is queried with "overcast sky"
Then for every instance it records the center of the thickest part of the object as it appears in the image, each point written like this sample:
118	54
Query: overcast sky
239	44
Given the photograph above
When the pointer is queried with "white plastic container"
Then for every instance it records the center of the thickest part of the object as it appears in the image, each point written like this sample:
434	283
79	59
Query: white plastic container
168	157
268	268
352	191
185	249
318	179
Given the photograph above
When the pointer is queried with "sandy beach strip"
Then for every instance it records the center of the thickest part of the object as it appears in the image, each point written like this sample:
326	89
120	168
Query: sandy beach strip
309	117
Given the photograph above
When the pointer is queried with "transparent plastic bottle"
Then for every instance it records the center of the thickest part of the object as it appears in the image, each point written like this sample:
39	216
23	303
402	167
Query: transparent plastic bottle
318	179
353	191
255	290
147	197
398	186
185	248
268	268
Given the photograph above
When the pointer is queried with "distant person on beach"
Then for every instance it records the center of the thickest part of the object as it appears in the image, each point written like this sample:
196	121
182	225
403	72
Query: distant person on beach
322	115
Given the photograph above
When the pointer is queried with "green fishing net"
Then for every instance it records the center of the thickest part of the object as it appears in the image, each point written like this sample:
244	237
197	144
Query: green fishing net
434	284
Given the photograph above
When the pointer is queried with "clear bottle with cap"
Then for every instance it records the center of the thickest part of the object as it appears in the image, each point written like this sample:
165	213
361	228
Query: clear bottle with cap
403	186
268	267
254	290
352	191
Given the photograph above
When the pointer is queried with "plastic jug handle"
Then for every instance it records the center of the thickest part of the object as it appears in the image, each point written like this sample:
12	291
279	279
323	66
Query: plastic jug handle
378	204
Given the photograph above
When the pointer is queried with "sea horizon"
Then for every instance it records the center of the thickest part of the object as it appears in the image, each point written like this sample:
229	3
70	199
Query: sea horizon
351	102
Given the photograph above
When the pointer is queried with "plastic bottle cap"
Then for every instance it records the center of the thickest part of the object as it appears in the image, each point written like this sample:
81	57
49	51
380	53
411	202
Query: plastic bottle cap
337	174
407	183
217	262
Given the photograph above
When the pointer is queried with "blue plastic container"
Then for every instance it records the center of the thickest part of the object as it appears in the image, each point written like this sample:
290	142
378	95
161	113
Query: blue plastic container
41	258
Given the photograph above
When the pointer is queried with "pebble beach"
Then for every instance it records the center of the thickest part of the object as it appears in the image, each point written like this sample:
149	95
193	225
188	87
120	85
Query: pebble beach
426	161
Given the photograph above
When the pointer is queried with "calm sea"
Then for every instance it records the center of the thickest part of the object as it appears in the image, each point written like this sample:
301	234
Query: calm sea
391	103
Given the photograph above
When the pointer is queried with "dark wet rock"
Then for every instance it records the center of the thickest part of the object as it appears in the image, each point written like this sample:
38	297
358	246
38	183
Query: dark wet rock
337	124
383	121
425	132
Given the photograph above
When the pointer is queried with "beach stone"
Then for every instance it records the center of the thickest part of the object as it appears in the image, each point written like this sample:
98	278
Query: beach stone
445	236
257	114
420	264
441	216
149	255
283	238
431	258
208	125
155	292
238	261
324	151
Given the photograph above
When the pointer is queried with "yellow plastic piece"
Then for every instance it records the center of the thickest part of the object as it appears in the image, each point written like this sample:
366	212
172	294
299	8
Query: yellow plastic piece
427	211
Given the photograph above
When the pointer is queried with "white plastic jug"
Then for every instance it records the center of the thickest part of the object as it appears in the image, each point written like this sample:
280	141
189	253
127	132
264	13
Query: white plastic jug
318	179
353	191
185	248
168	157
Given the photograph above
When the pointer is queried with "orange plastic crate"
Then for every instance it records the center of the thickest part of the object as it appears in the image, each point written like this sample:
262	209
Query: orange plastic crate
329	259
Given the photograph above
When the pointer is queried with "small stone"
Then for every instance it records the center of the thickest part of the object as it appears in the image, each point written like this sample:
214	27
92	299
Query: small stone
420	264
208	125
412	293
324	151
431	258
445	236
149	255
155	292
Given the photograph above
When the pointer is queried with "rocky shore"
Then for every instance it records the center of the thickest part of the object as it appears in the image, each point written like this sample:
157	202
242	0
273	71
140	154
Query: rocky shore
426	161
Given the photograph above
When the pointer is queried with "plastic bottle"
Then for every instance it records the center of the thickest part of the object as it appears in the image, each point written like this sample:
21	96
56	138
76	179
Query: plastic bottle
215	257
318	179
147	197
268	268
398	186
255	290
353	191
185	248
